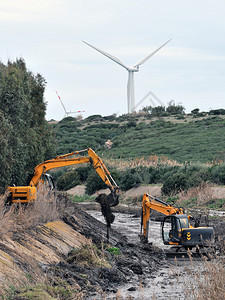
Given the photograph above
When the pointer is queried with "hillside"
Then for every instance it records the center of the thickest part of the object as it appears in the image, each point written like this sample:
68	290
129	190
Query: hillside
181	138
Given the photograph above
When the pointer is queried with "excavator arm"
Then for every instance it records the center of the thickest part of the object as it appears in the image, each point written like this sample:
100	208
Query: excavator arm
149	202
177	230
28	193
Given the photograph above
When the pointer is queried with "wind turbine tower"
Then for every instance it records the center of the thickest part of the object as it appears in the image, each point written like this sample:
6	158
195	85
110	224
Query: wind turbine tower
131	70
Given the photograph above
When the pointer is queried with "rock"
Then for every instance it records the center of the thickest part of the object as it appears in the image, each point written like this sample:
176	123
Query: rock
132	289
136	268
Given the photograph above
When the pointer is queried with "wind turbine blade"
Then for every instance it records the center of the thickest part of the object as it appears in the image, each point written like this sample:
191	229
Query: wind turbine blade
115	59
150	55
61	102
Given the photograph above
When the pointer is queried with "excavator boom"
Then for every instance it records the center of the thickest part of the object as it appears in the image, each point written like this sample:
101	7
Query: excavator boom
29	193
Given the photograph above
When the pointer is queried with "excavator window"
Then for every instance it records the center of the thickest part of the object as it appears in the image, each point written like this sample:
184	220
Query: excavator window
48	180
184	223
166	229
171	227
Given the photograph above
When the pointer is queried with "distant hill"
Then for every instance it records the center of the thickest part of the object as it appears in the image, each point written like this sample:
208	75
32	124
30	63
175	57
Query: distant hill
184	138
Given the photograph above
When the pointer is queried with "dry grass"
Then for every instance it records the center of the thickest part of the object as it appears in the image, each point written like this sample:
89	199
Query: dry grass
19	217
28	280
89	255
203	193
206	282
149	161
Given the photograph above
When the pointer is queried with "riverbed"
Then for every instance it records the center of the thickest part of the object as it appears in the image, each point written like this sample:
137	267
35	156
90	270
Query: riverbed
166	283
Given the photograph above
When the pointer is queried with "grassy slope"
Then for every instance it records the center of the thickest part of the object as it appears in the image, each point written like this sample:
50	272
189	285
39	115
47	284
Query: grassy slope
190	139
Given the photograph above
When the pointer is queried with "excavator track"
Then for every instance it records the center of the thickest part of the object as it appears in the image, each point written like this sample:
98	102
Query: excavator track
188	255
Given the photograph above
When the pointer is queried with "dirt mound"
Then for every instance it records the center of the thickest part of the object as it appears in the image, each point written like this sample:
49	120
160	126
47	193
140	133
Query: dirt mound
154	190
78	190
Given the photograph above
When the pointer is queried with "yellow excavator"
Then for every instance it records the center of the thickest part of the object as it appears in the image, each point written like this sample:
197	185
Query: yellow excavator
26	194
176	228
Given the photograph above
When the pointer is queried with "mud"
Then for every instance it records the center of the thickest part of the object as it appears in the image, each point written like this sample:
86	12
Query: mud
136	262
168	279
138	270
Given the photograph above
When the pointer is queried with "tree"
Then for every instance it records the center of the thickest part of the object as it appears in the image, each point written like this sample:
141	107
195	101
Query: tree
195	111
174	109
27	139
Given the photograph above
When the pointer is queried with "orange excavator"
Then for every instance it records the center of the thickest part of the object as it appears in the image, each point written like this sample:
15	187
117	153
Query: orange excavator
176	227
26	194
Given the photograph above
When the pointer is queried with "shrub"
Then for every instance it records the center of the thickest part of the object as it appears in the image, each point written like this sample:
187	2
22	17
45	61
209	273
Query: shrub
218	174
130	179
114	250
158	111
84	198
144	174
219	111
174	184
68	180
110	118
173	109
94	118
179	179
195	111
67	120
94	183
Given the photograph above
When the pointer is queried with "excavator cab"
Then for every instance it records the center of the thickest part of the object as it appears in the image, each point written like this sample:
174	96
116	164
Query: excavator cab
172	227
49	181
176	230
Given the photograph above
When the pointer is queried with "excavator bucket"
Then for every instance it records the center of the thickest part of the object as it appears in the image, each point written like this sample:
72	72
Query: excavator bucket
102	199
113	199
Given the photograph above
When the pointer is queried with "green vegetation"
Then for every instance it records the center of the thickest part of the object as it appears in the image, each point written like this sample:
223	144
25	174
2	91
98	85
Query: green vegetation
114	250
84	198
88	255
174	179
25	136
187	139
168	147
61	290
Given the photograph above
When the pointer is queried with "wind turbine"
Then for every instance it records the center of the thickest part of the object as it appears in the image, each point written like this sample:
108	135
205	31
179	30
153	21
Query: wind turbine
131	70
67	113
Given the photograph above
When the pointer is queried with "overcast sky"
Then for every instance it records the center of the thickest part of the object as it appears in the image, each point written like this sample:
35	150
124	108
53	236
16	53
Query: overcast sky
48	34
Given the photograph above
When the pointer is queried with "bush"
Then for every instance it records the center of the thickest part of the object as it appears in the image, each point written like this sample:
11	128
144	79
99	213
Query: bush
68	180
67	120
130	179
218	174
179	179
94	183
219	111
83	173
94	118
173	109
174	184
